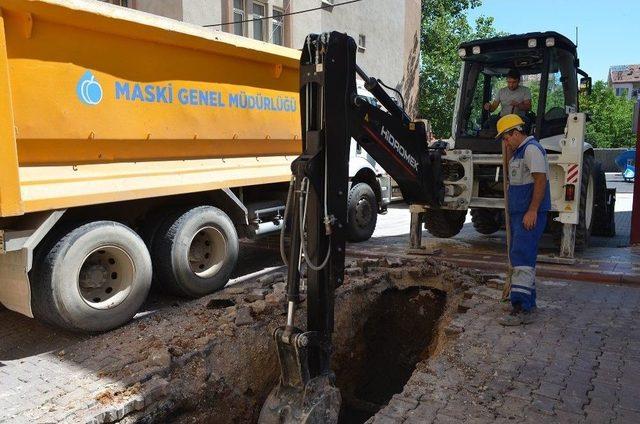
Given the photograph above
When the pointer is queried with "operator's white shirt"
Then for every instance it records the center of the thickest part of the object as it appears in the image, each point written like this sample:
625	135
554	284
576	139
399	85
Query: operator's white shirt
506	96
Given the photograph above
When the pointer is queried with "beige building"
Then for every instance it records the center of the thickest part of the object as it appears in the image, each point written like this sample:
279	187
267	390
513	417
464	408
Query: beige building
387	31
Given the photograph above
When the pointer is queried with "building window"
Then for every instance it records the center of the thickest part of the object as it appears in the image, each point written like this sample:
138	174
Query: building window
277	35
123	3
238	17
622	92
362	42
259	22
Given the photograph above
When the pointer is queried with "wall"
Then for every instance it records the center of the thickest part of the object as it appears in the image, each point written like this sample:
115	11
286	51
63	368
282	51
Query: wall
169	8
382	23
202	12
607	158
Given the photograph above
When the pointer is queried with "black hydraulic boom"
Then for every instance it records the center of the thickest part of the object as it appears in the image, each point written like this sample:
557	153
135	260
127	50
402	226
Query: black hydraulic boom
333	113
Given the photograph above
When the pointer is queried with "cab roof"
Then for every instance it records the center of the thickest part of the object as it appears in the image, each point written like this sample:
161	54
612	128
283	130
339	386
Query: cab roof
519	42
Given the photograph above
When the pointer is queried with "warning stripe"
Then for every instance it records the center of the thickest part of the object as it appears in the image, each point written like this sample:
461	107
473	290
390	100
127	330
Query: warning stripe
572	174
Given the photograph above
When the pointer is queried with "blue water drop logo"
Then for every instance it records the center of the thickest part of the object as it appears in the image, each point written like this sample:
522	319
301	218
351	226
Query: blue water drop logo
89	90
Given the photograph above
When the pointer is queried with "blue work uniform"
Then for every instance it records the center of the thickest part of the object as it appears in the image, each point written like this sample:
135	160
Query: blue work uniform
528	158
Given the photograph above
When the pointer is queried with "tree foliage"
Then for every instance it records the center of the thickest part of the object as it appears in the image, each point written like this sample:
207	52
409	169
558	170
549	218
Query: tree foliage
611	117
444	27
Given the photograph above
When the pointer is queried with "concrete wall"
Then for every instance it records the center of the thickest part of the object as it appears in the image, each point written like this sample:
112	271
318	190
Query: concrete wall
202	12
392	31
607	158
169	8
304	23
411	73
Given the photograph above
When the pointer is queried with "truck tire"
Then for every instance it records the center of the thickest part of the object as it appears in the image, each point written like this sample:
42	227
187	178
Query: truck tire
604	223
195	252
487	221
362	213
93	278
444	223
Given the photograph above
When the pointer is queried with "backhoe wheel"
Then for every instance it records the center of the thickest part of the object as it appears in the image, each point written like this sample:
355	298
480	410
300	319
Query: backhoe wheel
604	223
587	200
444	223
362	213
487	221
195	252
93	278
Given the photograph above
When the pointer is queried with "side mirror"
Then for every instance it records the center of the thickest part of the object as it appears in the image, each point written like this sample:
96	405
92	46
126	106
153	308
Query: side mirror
585	85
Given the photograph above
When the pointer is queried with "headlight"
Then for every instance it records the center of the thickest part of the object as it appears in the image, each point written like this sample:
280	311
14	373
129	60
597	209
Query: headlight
462	52
532	43
550	42
476	50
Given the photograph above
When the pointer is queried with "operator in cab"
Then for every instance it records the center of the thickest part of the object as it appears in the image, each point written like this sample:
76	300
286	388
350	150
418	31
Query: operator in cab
512	99
529	201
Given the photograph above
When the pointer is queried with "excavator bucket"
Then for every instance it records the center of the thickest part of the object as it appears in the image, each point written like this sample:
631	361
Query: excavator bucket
318	403
299	399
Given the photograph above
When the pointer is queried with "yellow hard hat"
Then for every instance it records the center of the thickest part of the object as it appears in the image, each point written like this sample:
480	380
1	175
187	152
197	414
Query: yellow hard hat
507	123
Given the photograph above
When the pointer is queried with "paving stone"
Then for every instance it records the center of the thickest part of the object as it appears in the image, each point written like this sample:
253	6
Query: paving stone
568	417
549	390
598	414
625	416
425	412
543	404
572	404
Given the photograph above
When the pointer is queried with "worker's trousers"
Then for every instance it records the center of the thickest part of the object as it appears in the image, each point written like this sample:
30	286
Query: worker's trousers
523	253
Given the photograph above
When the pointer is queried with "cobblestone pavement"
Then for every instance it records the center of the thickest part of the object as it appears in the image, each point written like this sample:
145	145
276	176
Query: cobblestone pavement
578	363
38	381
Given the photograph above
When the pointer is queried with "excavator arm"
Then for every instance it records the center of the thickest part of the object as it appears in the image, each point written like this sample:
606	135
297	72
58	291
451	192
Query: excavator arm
332	113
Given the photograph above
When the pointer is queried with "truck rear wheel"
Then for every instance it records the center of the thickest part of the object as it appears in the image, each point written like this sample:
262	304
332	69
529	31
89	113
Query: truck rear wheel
487	221
93	278
195	252
362	213
444	223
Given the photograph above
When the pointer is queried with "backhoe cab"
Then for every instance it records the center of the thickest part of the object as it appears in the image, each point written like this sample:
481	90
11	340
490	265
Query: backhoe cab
548	64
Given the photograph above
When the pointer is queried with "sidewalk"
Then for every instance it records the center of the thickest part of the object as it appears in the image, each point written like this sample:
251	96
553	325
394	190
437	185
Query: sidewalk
579	362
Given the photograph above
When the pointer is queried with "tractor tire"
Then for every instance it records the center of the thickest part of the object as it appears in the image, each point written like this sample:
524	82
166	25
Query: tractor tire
91	277
487	221
604	223
195	251
362	213
444	223
585	221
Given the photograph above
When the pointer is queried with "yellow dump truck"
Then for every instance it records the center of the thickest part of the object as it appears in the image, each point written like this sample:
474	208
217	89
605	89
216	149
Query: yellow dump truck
134	146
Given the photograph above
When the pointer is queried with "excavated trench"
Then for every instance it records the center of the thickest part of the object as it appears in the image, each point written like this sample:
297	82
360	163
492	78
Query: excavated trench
387	320
393	333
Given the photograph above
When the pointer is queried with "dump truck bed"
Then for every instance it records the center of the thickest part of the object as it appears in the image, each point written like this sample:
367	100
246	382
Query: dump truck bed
101	104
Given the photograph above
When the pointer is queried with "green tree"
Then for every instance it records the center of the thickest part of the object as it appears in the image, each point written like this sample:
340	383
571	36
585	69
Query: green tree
444	27
611	117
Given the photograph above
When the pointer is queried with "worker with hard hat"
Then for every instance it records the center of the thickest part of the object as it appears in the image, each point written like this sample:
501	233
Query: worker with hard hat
513	99
529	201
